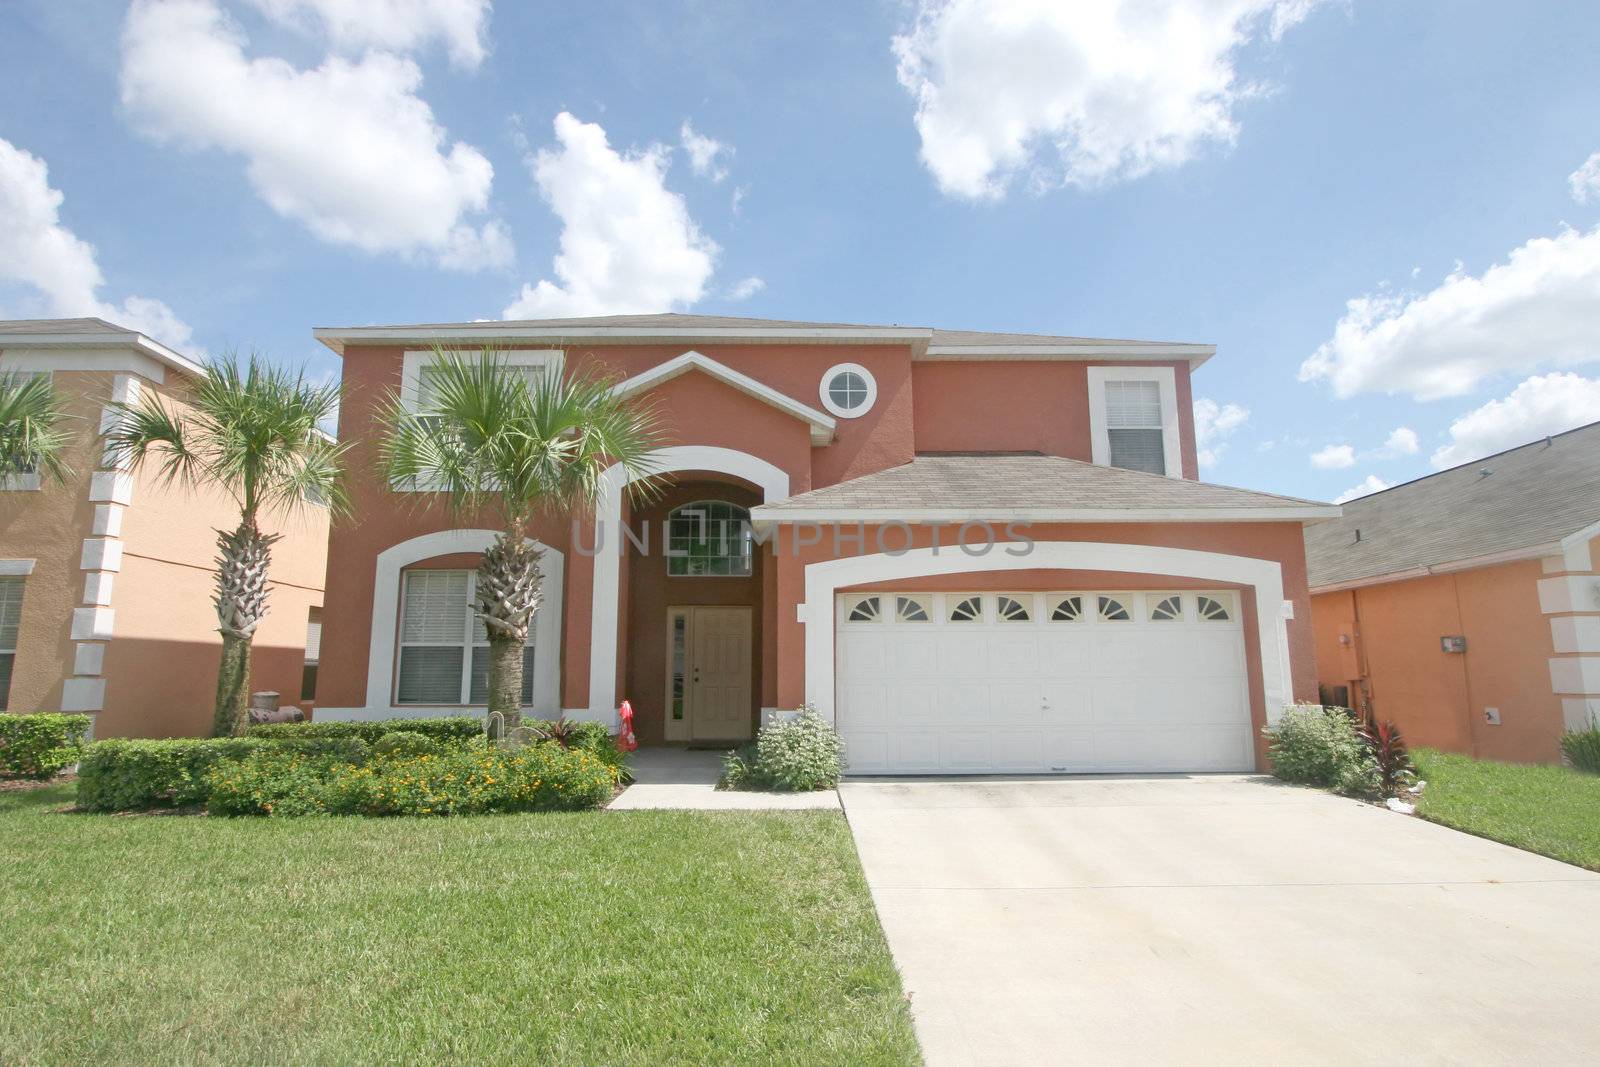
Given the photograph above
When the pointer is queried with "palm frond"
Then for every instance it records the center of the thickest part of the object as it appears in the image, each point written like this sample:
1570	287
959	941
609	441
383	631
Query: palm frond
35	430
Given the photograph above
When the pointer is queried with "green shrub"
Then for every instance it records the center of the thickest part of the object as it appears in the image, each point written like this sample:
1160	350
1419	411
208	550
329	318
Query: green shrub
40	745
464	781
1582	748
1314	745
402	743
795	755
129	775
453	730
591	737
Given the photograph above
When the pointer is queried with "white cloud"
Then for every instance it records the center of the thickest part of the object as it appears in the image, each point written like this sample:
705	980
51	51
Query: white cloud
745	288
347	148
708	157
1334	458
1539	308
1402	442
390	25
627	242
1213	423
39	252
1371	484
1585	181
1118	88
1541	405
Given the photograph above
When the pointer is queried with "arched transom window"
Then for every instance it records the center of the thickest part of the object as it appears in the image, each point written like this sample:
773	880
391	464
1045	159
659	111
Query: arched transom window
708	539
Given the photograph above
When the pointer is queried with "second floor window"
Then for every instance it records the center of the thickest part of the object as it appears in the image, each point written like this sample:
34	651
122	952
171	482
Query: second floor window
1134	426
709	539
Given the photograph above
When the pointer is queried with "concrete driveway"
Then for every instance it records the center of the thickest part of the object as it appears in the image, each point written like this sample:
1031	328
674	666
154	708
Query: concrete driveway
1220	919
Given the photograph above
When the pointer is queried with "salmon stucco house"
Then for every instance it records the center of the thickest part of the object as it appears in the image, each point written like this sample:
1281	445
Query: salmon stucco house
1465	606
974	552
106	581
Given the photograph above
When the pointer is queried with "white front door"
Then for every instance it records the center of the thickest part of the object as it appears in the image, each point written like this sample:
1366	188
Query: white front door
1009	683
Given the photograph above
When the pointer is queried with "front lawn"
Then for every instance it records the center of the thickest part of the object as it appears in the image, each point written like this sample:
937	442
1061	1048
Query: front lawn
613	937
1554	811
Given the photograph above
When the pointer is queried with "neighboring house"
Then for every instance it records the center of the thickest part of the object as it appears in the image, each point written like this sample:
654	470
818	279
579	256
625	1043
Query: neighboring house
106	581
1128	617
1465	606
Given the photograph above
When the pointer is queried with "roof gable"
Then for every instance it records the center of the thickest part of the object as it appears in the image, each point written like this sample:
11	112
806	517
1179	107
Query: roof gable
822	425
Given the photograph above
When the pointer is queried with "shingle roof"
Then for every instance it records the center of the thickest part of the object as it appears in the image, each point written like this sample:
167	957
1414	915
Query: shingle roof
1535	495
678	324
70	334
24	327
1032	485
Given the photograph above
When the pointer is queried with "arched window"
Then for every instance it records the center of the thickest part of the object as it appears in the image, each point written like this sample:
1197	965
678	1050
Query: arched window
708	539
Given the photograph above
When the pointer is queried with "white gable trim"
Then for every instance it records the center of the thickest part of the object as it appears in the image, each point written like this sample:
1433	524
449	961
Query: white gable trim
822	425
824	579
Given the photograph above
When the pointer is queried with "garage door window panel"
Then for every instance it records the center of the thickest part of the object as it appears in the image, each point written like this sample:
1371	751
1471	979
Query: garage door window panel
1113	609
1068	608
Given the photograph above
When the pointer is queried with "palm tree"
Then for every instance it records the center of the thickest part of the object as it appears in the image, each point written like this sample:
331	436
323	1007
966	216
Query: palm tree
493	441
33	427
253	432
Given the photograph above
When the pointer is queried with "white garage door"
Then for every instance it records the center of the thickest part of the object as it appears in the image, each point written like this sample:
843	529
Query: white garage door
1008	683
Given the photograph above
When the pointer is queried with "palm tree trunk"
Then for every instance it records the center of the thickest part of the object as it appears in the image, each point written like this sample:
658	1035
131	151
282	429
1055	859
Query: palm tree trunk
507	595
242	560
233	687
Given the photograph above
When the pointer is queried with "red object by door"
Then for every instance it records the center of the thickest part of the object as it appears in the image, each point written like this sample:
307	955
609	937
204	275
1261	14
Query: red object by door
625	739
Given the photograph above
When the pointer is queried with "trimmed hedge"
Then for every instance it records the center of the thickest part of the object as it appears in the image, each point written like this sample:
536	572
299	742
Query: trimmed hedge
40	745
129	775
457	728
471	780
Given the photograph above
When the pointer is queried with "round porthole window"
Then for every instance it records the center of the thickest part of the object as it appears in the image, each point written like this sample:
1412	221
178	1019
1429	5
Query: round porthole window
848	390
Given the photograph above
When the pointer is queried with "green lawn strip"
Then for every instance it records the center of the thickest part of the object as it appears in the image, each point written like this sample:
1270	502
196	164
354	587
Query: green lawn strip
613	937
1554	811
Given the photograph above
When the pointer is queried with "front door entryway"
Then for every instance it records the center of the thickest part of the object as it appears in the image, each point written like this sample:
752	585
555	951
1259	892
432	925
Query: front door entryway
708	673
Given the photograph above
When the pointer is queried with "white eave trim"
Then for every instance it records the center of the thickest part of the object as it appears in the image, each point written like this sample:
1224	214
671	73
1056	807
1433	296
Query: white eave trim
1513	555
822	425
337	338
1308	513
136	341
1194	355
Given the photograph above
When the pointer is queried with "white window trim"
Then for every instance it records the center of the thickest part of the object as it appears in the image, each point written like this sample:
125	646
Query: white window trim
383	642
1166	380
415	360
843	412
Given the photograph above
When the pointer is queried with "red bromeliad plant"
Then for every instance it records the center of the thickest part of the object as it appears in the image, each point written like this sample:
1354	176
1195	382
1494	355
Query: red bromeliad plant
1389	751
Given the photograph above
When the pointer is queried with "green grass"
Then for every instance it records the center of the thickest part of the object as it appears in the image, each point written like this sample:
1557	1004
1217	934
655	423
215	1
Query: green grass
1554	811
612	937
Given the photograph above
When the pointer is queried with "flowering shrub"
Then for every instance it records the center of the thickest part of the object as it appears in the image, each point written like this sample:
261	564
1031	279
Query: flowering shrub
406	743
39	745
471	780
798	754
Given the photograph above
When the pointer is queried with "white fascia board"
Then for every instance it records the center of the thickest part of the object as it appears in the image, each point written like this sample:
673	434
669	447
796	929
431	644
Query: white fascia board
1510	556
337	338
764	515
1194	355
822	425
136	341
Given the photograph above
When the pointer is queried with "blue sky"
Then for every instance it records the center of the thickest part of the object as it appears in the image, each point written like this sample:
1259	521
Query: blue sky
1228	171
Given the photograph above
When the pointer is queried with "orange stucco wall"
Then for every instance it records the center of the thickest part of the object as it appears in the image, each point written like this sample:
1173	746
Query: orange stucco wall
1383	641
1020	406
160	664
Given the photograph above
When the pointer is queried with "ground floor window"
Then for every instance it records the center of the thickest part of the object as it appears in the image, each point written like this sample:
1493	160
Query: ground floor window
10	622
444	647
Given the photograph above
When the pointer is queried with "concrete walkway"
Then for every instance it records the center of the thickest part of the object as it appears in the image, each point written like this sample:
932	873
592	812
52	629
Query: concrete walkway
1220	919
687	779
